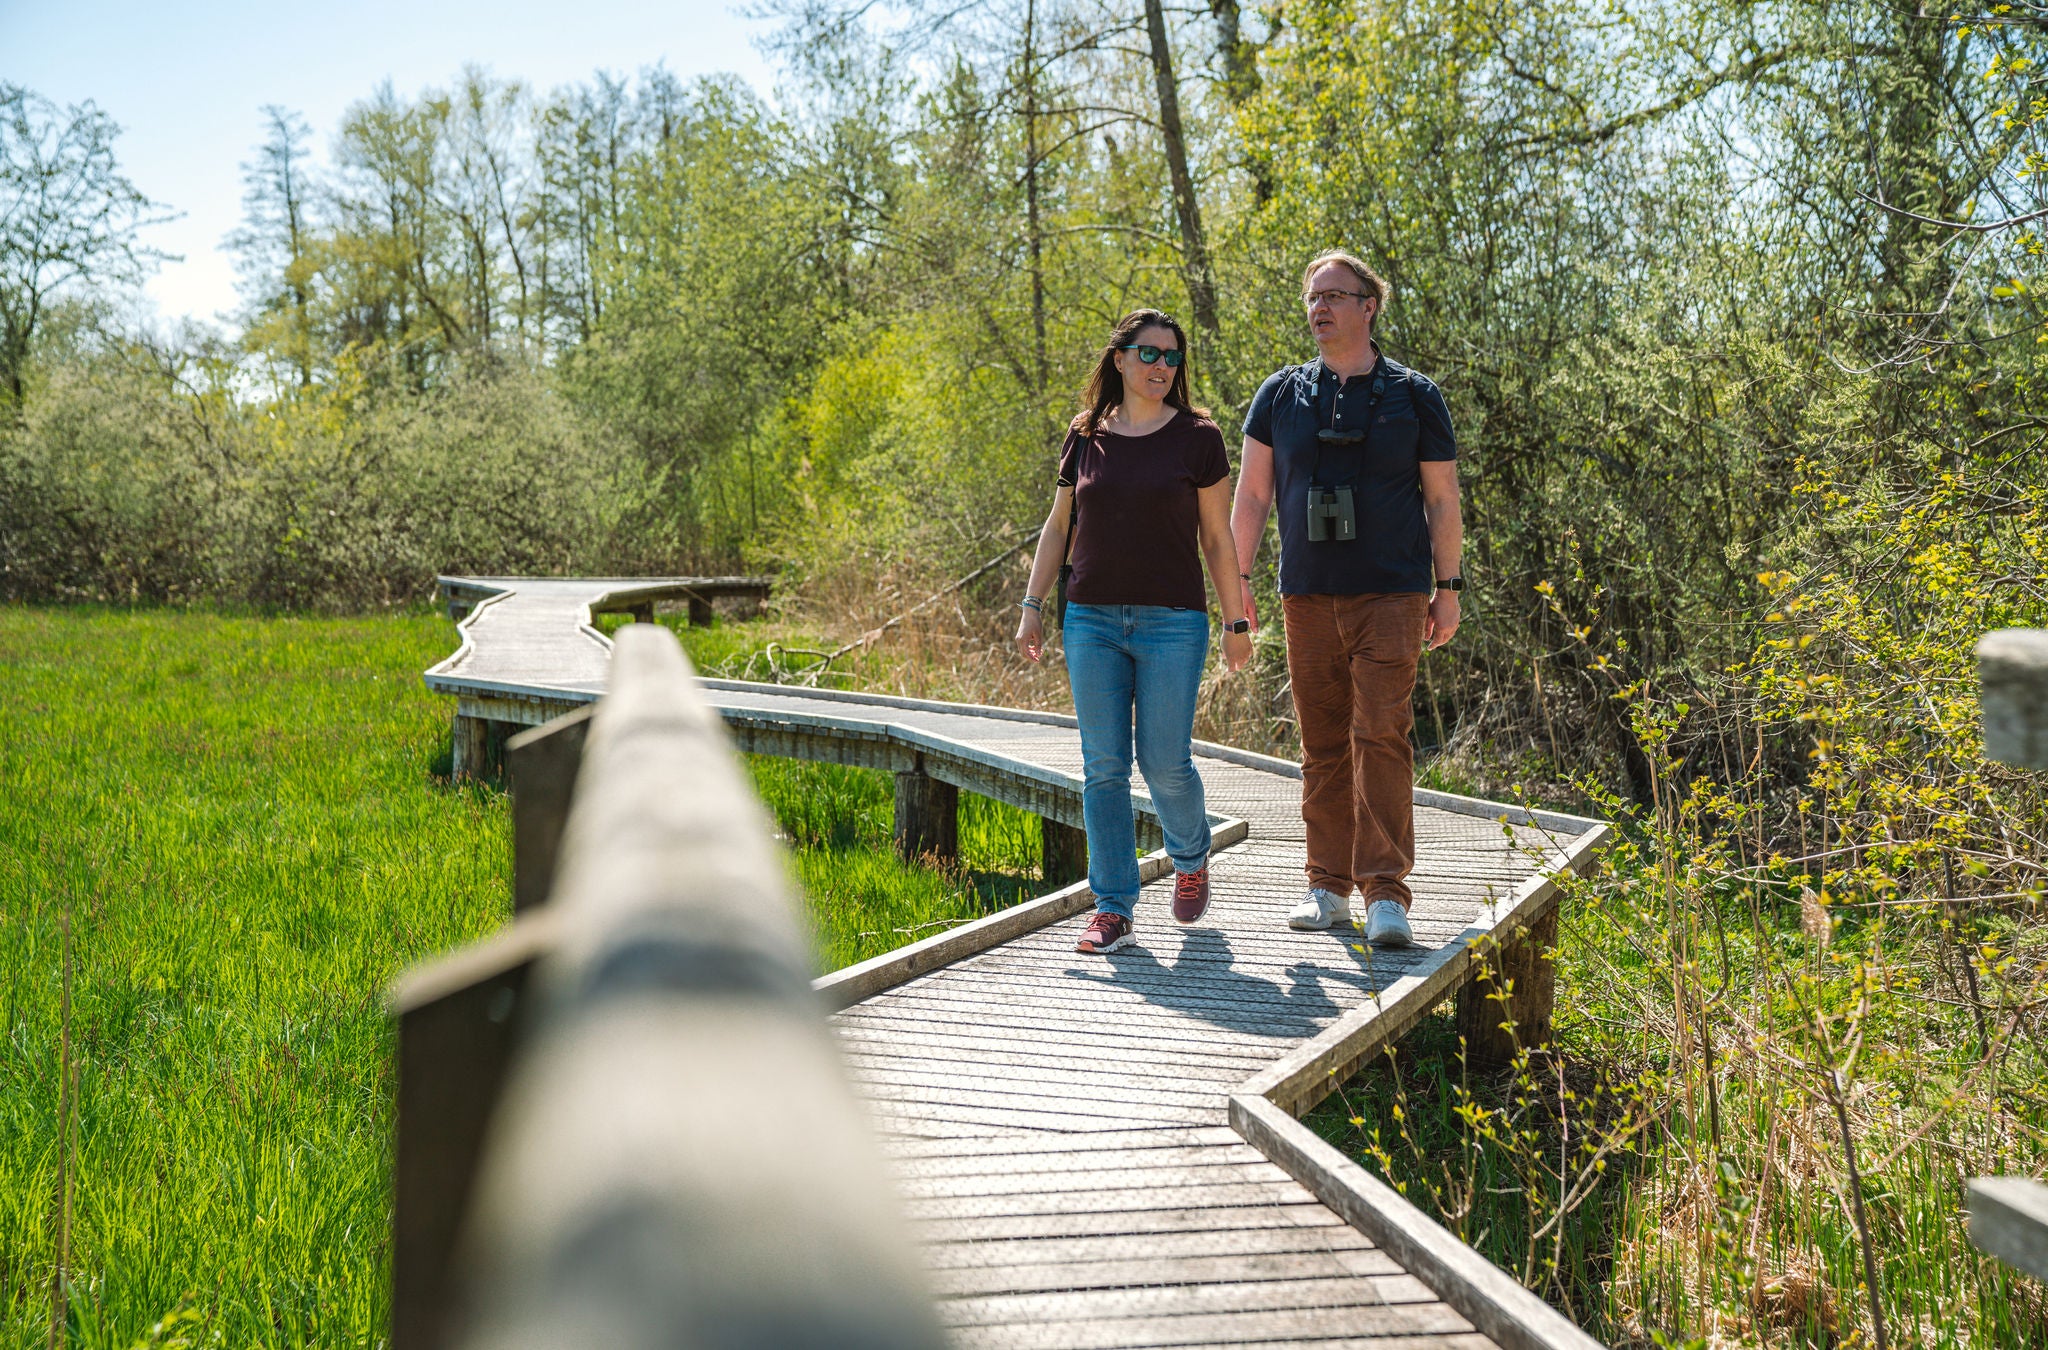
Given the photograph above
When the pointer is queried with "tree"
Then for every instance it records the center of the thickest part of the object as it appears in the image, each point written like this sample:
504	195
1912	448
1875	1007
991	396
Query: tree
67	217
275	244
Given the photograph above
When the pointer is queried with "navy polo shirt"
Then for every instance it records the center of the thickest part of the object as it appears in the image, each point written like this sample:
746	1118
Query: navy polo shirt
1410	424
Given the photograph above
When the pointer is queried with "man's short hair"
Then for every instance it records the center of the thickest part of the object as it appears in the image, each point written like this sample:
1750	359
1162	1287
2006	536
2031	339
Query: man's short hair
1369	281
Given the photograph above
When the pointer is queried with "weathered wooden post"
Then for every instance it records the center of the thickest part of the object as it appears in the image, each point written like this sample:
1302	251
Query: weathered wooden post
458	1020
478	749
927	816
542	764
2012	684
1065	852
700	611
2009	1215
1507	1004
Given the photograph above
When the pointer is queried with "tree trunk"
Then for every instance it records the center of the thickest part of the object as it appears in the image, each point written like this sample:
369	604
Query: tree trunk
1240	58
1201	281
1034	234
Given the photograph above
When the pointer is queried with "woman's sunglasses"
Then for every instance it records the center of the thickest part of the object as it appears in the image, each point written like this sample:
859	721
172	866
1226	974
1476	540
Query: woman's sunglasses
1149	353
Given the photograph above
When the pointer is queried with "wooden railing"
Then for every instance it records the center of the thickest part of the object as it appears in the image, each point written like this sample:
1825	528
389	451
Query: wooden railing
623	1121
2009	1215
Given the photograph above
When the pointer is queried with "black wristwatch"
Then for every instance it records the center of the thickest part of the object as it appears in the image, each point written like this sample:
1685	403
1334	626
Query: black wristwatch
1450	583
1238	626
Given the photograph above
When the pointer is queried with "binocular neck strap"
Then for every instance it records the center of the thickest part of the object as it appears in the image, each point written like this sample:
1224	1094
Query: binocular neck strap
1379	391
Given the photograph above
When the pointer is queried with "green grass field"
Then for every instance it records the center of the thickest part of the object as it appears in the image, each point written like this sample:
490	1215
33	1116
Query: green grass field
240	818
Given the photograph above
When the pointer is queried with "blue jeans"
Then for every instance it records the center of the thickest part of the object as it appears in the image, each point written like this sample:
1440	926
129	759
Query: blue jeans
1147	659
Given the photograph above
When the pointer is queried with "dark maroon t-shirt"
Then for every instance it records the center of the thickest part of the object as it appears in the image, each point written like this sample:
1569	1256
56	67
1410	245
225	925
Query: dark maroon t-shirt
1135	535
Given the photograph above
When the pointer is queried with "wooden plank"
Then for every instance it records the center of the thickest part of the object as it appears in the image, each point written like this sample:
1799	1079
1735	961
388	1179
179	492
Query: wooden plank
1108	1172
1051	1071
1102	1090
1107	1200
1318	1293
1469	1340
1021	1254
1157	1056
1035	1113
1085	1012
1101	1011
2009	1219
1049	1277
1199	1137
1137	1226
991	1119
1022	1170
1057	1083
1027	1036
1221	1327
1479	1289
924	1044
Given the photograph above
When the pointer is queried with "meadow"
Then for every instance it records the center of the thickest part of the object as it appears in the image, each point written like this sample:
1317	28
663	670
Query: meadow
221	837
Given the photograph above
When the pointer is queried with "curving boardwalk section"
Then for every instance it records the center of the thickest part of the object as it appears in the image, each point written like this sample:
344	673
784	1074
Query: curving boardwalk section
1074	1134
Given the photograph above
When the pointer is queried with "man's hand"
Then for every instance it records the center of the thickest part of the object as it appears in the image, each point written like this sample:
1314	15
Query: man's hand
1443	619
1031	635
1251	606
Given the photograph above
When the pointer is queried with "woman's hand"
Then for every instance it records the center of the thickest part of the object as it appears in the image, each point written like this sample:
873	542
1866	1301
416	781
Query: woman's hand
1031	635
1237	650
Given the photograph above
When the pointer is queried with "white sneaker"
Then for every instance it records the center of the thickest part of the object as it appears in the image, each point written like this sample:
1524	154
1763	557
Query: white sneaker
1320	910
1386	924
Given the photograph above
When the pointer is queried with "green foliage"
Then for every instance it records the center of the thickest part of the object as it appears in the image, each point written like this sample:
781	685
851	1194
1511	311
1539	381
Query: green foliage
352	494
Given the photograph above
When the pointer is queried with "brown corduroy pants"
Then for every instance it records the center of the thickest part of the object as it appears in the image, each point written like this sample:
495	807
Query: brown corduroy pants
1352	662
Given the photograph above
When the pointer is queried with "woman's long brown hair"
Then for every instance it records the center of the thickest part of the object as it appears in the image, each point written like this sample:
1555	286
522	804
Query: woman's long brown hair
1106	383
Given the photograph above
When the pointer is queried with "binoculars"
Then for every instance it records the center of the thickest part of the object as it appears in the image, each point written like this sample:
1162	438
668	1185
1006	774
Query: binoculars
1330	514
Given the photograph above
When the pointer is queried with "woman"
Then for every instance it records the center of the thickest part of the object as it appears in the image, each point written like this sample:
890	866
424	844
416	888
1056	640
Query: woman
1144	478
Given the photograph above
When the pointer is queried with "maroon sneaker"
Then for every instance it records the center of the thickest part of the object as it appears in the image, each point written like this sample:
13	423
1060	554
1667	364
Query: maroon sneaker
1190	895
1106	932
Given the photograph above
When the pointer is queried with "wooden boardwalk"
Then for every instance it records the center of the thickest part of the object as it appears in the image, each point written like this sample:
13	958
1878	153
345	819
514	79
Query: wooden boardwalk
1073	1134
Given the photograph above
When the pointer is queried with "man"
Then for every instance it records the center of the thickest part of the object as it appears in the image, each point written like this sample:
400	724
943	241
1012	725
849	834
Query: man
1357	451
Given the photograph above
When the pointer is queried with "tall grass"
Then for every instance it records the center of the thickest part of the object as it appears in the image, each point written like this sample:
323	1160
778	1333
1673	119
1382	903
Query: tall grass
240	821
237	818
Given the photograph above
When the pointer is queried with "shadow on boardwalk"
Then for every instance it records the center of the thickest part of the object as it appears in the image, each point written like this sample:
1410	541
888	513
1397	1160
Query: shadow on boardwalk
1202	982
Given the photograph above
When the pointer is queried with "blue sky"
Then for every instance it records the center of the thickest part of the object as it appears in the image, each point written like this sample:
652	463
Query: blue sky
187	80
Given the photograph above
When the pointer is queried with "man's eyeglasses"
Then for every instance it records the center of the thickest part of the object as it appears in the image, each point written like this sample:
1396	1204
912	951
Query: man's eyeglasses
1149	353
1314	298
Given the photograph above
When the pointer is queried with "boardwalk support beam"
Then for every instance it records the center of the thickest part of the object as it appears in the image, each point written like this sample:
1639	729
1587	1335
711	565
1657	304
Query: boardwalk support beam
700	612
1505	1006
927	816
478	751
1065	852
